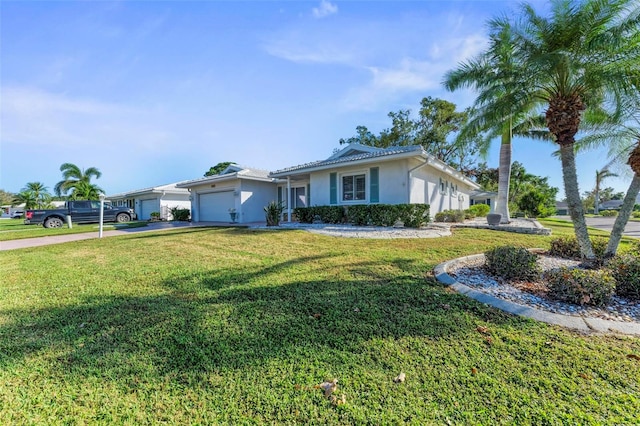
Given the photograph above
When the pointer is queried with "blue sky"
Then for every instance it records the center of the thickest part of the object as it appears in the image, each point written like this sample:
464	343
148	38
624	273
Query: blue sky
154	92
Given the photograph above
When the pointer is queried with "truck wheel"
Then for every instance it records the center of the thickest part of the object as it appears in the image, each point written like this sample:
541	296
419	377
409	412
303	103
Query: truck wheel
53	222
123	217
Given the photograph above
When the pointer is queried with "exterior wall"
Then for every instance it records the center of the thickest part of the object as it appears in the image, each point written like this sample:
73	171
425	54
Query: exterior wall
250	196
392	183
395	186
254	196
173	200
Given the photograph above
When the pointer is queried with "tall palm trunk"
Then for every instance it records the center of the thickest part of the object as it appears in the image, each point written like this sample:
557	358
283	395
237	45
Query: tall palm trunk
623	216
596	198
504	176
576	210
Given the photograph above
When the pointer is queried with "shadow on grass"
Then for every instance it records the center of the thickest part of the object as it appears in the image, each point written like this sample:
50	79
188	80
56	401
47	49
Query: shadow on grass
234	318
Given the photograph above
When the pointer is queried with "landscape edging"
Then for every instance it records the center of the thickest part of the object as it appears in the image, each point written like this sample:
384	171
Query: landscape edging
584	324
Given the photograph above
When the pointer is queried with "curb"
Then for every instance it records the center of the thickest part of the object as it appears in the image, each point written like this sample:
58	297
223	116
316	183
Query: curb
584	324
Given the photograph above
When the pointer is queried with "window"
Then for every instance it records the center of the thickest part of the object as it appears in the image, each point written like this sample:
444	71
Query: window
443	186
353	188
298	197
454	189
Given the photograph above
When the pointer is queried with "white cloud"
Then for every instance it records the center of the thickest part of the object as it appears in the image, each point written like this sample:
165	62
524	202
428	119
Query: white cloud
326	8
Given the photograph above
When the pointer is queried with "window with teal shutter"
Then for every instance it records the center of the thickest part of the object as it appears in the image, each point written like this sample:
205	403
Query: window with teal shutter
333	188
374	186
279	195
308	195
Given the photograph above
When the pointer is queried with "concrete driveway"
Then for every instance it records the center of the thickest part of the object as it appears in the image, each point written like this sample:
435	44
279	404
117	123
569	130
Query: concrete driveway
606	224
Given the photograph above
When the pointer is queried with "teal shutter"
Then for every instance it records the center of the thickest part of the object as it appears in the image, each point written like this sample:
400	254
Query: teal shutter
374	185
308	195
279	195
333	188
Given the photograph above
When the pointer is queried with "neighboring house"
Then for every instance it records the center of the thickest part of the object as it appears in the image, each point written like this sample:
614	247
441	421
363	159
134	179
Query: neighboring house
155	199
241	190
562	208
484	197
360	174
610	205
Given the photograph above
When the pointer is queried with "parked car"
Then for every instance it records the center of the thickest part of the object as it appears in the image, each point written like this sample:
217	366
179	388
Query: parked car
16	214
80	212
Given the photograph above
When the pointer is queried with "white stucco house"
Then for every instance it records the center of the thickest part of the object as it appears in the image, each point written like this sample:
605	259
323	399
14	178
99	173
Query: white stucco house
359	174
242	190
155	199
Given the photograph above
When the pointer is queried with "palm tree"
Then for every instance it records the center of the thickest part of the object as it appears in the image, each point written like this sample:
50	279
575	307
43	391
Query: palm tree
494	74
570	62
25	197
40	193
601	175
85	191
73	176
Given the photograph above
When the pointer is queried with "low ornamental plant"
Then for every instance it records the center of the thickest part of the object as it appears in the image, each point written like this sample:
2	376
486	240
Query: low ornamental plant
273	212
455	216
480	210
180	213
609	213
509	263
626	271
568	248
593	287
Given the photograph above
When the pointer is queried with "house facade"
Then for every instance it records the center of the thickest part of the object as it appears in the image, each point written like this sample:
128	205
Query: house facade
484	197
240	190
155	199
360	174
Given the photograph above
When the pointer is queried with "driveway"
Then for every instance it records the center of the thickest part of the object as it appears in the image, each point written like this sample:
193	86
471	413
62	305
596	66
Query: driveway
606	224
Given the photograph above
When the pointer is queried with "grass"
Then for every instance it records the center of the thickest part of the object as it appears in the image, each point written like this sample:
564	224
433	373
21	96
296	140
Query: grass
15	229
237	326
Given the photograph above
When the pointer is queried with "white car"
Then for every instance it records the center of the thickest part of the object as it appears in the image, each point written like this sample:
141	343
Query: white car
17	214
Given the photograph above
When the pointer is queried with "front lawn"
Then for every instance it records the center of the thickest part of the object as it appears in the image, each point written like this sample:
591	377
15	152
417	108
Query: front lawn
237	326
15	229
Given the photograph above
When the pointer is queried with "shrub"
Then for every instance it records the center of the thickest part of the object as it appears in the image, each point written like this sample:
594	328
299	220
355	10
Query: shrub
456	216
358	214
180	213
626	271
329	214
413	215
609	213
480	210
383	214
154	215
304	214
568	247
581	286
635	215
273	212
510	262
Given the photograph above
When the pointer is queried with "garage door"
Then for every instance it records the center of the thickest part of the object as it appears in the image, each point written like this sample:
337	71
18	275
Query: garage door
146	207
214	207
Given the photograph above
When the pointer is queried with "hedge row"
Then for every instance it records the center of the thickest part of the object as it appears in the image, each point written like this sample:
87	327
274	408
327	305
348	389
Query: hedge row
411	215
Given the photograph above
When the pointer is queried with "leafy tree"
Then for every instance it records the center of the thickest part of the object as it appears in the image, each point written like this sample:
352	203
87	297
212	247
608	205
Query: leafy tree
570	62
73	177
218	168
532	203
436	128
6	197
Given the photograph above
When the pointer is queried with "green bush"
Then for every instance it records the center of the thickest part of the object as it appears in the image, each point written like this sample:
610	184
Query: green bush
180	214
568	248
480	210
455	216
581	286
304	214
413	215
511	262
358	215
273	213
609	213
329	214
635	215
383	214
626	271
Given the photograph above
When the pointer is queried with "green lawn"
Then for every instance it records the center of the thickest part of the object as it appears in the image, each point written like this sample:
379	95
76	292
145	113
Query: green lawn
14	229
236	326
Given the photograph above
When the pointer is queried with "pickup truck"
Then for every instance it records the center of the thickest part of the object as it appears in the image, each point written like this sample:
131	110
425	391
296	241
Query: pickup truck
80	212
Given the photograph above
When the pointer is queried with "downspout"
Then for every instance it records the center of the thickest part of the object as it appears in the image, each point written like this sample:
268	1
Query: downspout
426	161
288	198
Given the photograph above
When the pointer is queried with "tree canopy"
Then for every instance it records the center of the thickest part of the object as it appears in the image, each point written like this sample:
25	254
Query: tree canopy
218	168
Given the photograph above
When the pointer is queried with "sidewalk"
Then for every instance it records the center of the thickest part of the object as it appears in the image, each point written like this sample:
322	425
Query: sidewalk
58	239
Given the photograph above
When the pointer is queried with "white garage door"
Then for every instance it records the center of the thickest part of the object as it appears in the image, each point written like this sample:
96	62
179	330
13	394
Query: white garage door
146	207
214	207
